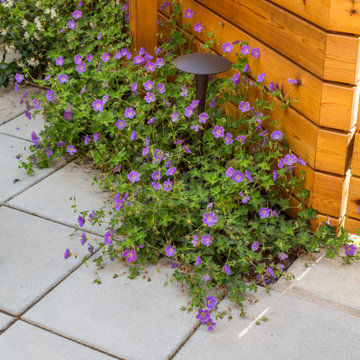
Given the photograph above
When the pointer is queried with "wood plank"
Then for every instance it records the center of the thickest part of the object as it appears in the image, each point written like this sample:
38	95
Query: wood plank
143	24
334	15
327	194
354	198
320	219
355	169
352	225
330	56
325	104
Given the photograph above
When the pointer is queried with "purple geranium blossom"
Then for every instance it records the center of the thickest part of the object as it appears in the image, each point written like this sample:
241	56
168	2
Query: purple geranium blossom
184	91
198	27
203	316
98	105
156	175
261	77
133	135
227	47
59	61
80	68
290	159
236	79
19	78
36	104
50	95
134	87
195	127
63	78
174	116
148	85
35	139
218	131
171	171
293	81
238	177
137	59
229	172
248	175
68	114
227	270
228	139
350	250
282	256
67	253
276	135
245	50
121	124
244	106
195	240
70	149
155	185
187	150
96	137
108	238
264	212
206	277
188	13
241	139
245	199
76	14
129	113
130	255
206	240
255	52
212	102
149	66
106	57
133	176
150	97
211	302
203	117
275	174
91	249
189	111
83	239
87	139
160	88
72	24
77	59
273	86
255	246
270	271
301	161
89	57
209	219
198	261
145	151
170	251
167	185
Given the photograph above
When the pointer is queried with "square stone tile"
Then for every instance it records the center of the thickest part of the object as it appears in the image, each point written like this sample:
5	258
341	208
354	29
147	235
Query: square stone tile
327	280
10	106
5	321
26	342
22	127
133	319
51	197
12	179
295	329
32	257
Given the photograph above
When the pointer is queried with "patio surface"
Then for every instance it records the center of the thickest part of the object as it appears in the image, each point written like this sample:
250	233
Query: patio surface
51	309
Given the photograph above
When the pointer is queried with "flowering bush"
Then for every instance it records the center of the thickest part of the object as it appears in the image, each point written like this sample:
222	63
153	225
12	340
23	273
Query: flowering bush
209	191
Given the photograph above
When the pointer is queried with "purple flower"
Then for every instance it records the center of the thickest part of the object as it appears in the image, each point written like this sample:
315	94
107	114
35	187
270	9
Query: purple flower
270	271
149	66
99	36
255	52
228	139
203	117
35	139
170	251
301	161
246	199
229	172
87	139
227	270
255	246
106	57
89	57
70	149
184	91
167	185
150	97
96	137
80	68
245	50
198	27
108	238
244	106
148	85
36	104
68	114
276	135
160	88
198	261
130	255
261	78
350	250
293	81
189	111
206	240
63	78
206	277
174	116
91	249
60	143
116	169
187	150
290	159
218	131
195	127
67	253
133	176
241	139
209	219
155	185
188	13
98	105
145	151
59	61
16	87
82	89
81	221
50	95
156	175
227	47
273	86
129	113
165	5
238	177
71	24
236	79
133	135
203	316
211	302
83	239
121	124
275	175
264	212
19	78
76	14
171	171
77	59
282	256
195	240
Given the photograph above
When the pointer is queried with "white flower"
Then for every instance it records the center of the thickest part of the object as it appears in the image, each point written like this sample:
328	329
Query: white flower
20	64
8	3
26	35
33	62
36	36
38	3
24	22
3	32
9	47
47	11
53	13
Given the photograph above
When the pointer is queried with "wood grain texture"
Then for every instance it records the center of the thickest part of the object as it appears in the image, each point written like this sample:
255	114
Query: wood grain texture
334	15
352	225
321	219
355	168
332	57
354	198
323	103
143	24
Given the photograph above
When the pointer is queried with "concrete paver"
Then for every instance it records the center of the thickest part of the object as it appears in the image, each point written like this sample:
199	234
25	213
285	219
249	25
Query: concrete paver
5	320
327	279
22	127
295	329
31	257
15	180
133	319
26	342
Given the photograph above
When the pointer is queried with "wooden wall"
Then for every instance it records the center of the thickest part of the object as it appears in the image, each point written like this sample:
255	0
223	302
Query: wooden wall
316	42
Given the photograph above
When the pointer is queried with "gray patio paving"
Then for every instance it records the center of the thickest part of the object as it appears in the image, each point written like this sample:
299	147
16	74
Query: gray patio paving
5	320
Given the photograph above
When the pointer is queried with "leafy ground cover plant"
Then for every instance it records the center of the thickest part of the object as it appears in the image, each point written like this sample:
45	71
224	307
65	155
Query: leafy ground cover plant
209	191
